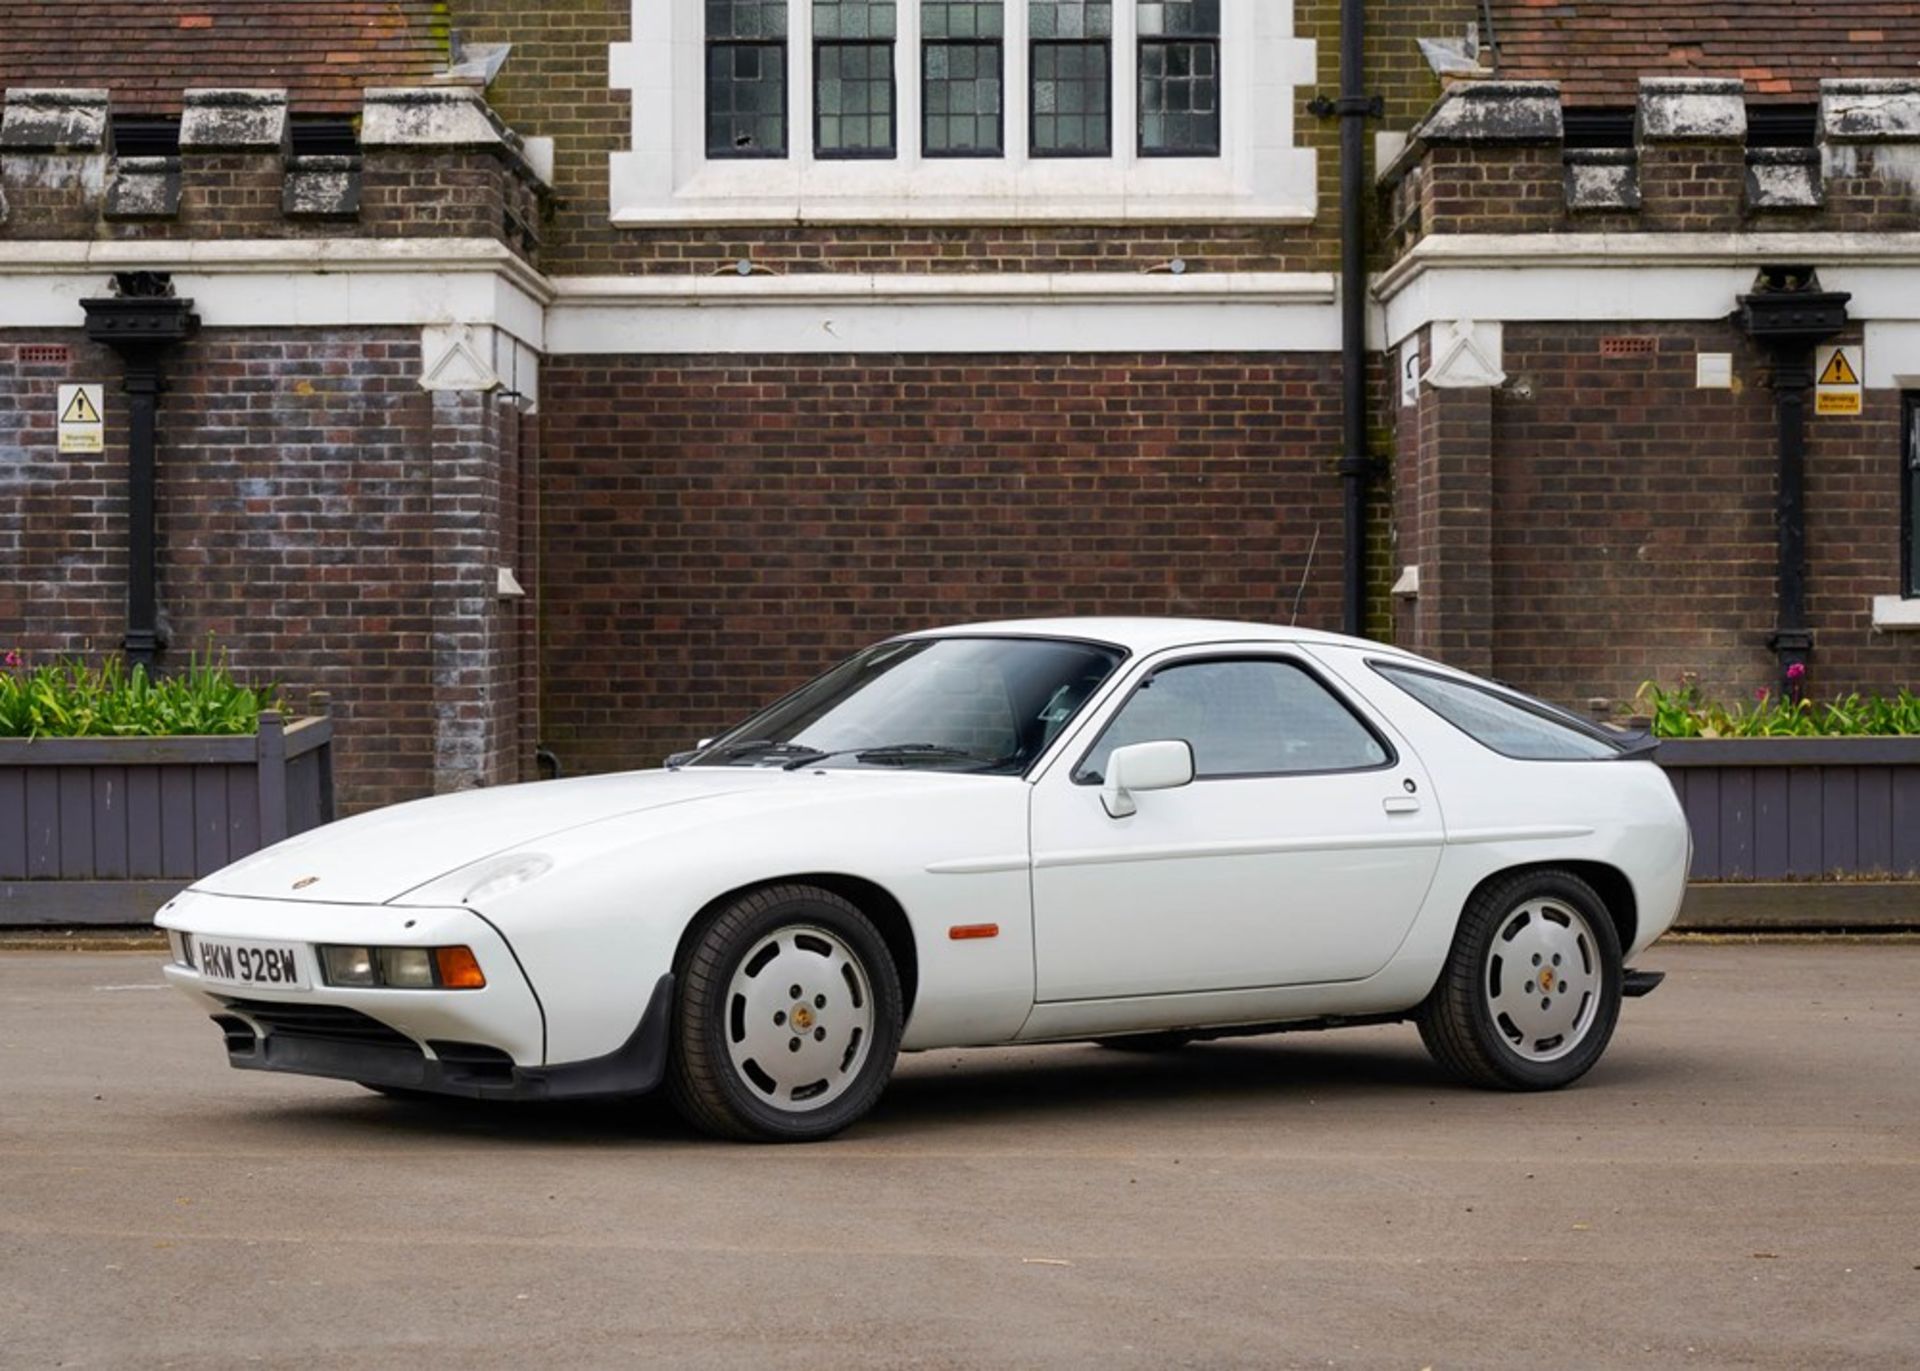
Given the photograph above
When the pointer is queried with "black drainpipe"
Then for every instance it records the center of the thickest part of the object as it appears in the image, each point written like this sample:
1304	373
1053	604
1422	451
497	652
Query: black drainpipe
141	323
1356	465
1789	315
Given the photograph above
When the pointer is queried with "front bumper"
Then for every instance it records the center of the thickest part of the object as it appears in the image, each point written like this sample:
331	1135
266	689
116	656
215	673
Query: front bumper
474	1070
487	1043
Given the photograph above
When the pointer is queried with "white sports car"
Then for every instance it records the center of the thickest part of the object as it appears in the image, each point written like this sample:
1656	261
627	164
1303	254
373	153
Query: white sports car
1139	832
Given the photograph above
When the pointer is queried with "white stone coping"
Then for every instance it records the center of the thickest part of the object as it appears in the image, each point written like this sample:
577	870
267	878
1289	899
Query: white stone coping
1894	613
971	287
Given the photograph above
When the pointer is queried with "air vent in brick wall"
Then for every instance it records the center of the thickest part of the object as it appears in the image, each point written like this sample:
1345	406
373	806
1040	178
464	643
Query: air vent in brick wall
43	354
1625	346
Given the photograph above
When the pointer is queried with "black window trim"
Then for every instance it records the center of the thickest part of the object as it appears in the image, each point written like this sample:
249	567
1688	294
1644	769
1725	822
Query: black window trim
1384	667
1289	658
999	150
1910	495
1034	151
735	154
891	152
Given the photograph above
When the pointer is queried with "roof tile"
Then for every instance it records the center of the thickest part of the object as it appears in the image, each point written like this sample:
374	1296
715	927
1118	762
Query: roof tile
148	51
1599	51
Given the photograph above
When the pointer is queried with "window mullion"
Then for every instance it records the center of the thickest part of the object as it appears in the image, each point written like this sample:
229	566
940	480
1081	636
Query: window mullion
909	87
1016	92
801	95
1126	81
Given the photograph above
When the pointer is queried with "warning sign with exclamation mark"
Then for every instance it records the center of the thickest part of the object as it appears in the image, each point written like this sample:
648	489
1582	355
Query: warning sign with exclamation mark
81	427
1837	386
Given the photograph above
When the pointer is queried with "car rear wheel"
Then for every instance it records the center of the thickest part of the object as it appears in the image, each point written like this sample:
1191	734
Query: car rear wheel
788	1018
1531	991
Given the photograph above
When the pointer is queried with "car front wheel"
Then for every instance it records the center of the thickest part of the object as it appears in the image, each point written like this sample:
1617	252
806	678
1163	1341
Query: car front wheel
1531	991
788	1018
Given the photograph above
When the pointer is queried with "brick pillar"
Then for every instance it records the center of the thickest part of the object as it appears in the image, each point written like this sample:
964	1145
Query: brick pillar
475	635
1446	508
233	150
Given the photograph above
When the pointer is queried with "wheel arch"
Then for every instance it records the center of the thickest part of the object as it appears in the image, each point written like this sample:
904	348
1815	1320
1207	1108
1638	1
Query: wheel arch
1609	882
875	901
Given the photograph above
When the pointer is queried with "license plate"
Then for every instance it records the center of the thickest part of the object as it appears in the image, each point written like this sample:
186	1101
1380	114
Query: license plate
249	963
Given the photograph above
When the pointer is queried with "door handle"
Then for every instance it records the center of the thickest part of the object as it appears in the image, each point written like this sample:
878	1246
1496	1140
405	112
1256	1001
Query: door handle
1400	804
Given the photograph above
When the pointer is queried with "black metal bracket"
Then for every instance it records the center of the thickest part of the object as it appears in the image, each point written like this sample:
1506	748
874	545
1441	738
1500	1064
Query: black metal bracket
1367	106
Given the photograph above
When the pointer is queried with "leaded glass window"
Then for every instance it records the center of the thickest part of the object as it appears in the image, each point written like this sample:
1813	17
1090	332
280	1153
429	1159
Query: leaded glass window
1072	77
1179	78
853	95
746	78
961	69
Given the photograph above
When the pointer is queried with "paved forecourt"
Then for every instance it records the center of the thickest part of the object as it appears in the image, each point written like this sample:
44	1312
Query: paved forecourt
1738	1184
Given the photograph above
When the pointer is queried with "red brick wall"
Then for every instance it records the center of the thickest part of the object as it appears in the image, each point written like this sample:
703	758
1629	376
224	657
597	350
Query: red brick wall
320	517
718	530
1632	521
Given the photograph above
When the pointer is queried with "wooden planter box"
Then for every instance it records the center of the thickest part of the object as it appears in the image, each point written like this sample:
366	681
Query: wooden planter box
1771	809
106	830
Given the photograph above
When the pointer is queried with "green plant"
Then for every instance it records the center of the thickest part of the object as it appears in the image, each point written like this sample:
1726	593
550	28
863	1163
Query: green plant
69	699
1684	713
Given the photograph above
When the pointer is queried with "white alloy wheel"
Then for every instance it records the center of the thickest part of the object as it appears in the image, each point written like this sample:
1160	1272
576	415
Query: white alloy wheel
800	1018
1543	980
788	1012
1530	994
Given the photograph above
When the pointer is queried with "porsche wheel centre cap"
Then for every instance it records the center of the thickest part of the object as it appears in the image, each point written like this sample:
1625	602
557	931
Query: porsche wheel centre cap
802	1017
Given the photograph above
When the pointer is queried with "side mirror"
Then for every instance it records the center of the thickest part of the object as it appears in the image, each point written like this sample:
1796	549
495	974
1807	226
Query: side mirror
1144	766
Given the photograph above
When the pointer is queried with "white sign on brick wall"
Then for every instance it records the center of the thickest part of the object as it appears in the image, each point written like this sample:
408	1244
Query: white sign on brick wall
82	425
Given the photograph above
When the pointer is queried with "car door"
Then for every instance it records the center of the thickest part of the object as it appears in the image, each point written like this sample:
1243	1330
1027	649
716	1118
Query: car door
1299	854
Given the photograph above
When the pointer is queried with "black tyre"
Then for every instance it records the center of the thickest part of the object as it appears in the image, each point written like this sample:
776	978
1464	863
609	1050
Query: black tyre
1146	1042
787	1018
1531	990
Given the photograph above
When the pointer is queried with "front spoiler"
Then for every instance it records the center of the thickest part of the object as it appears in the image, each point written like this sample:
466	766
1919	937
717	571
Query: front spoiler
634	1068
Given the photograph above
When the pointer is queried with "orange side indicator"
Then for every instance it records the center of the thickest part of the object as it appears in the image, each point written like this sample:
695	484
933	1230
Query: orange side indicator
458	969
963	932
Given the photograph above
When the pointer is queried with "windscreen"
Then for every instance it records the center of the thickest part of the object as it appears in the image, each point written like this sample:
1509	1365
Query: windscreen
987	705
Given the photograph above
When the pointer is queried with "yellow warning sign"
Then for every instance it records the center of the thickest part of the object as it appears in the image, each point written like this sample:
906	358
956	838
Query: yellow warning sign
81	427
80	410
1838	390
1839	370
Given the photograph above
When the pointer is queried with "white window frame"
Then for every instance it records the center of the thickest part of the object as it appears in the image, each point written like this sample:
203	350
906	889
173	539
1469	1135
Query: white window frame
666	177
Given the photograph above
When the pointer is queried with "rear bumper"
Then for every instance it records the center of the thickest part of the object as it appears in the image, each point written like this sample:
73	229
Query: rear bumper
473	1070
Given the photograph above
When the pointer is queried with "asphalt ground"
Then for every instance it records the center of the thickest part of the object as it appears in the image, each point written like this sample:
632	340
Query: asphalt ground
1737	1184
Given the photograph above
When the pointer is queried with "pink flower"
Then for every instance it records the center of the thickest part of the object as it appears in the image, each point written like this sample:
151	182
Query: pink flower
13	657
1761	694
1796	670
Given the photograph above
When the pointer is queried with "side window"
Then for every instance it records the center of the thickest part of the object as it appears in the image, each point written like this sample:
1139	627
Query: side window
1506	725
1257	717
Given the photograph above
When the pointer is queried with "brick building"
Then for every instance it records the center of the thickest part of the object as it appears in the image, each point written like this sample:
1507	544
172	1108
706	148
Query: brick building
583	372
